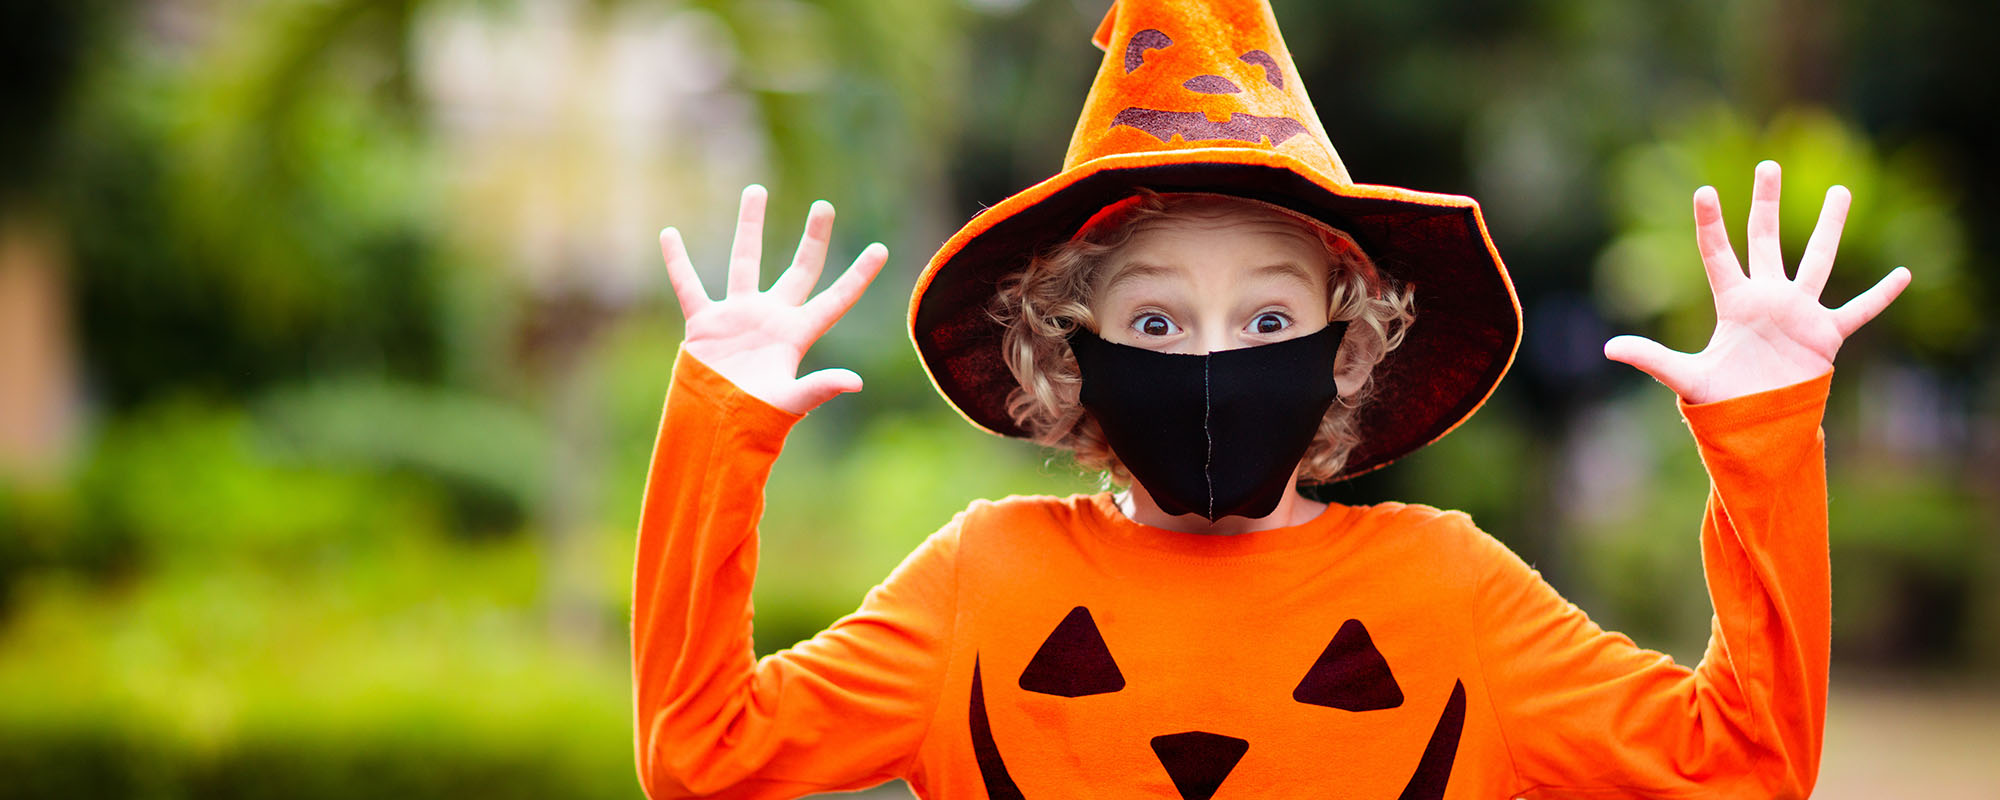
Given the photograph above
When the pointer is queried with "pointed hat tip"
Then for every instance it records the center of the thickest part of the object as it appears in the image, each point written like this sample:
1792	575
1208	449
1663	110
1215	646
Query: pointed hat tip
1102	38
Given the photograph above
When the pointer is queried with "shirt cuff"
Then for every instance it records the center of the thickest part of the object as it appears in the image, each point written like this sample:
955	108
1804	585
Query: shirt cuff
1761	406
1761	437
699	381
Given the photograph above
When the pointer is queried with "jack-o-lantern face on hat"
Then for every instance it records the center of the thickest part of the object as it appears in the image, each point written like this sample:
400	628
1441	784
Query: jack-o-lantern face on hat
1197	75
1350	675
1193	122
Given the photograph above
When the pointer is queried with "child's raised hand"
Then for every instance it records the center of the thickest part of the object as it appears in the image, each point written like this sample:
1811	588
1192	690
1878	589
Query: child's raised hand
756	339
1770	331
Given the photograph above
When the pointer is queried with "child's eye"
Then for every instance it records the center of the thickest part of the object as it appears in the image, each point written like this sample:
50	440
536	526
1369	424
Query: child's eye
1155	325
1270	322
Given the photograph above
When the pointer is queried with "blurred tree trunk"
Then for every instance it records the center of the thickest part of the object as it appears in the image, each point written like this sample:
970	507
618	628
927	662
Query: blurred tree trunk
37	352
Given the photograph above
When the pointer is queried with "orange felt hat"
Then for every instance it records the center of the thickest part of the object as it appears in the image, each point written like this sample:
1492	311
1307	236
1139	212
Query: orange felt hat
1197	96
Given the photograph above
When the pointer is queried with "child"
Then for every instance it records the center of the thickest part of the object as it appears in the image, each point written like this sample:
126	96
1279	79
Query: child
1205	305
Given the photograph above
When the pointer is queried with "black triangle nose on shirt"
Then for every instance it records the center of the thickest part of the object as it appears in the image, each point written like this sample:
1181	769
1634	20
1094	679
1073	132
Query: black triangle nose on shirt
1197	761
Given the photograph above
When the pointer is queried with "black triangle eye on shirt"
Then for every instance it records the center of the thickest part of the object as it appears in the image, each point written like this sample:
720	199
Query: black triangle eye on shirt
1073	661
1350	675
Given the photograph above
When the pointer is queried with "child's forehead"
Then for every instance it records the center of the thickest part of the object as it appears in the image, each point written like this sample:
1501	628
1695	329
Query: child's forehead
1220	242
1216	253
1224	280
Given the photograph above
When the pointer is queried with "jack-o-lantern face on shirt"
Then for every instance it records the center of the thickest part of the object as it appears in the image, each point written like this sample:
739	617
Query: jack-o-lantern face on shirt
1350	675
1209	91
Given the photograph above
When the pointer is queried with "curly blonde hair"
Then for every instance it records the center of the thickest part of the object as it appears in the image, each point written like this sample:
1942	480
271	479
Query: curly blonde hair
1041	305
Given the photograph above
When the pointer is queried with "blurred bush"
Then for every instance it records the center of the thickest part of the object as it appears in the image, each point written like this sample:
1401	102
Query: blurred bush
418	671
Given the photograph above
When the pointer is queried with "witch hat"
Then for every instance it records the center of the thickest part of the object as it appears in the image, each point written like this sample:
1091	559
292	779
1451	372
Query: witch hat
1197	96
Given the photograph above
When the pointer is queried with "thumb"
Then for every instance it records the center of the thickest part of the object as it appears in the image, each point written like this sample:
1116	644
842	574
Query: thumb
1650	357
818	387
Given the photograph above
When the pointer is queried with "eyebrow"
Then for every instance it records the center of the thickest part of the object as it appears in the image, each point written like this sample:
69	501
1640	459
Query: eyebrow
1132	271
1288	269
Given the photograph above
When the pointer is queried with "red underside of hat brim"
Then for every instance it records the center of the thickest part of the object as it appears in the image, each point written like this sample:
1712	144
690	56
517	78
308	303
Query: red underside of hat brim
1468	321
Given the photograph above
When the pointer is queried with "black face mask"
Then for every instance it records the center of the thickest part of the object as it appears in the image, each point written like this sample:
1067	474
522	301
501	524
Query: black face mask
1215	434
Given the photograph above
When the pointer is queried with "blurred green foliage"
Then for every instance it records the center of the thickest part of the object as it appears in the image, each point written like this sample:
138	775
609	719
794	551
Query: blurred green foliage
399	666
350	509
1903	213
271	209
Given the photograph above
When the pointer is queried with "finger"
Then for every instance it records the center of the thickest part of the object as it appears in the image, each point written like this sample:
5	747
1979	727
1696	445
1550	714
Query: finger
1667	366
821	386
1817	262
749	244
822	311
1717	256
1857	312
680	272
797	282
1767	260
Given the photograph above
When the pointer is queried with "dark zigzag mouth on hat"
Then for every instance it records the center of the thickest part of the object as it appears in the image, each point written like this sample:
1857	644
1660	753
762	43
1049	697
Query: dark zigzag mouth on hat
1195	126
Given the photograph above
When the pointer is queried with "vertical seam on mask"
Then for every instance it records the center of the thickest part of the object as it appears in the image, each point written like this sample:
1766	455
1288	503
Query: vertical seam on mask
1208	430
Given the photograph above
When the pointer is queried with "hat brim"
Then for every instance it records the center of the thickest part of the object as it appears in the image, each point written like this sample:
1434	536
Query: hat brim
1468	320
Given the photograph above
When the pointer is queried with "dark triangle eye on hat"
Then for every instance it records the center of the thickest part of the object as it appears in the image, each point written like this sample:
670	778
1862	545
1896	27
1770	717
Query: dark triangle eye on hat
1203	97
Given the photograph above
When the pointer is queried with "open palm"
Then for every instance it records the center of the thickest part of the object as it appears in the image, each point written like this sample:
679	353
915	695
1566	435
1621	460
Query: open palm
1770	330
756	339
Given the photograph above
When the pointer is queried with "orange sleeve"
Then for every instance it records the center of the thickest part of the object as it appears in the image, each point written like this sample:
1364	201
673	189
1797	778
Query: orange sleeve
1586	713
844	710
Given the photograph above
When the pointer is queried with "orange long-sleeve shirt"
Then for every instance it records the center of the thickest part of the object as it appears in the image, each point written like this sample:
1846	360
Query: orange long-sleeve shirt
1050	647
